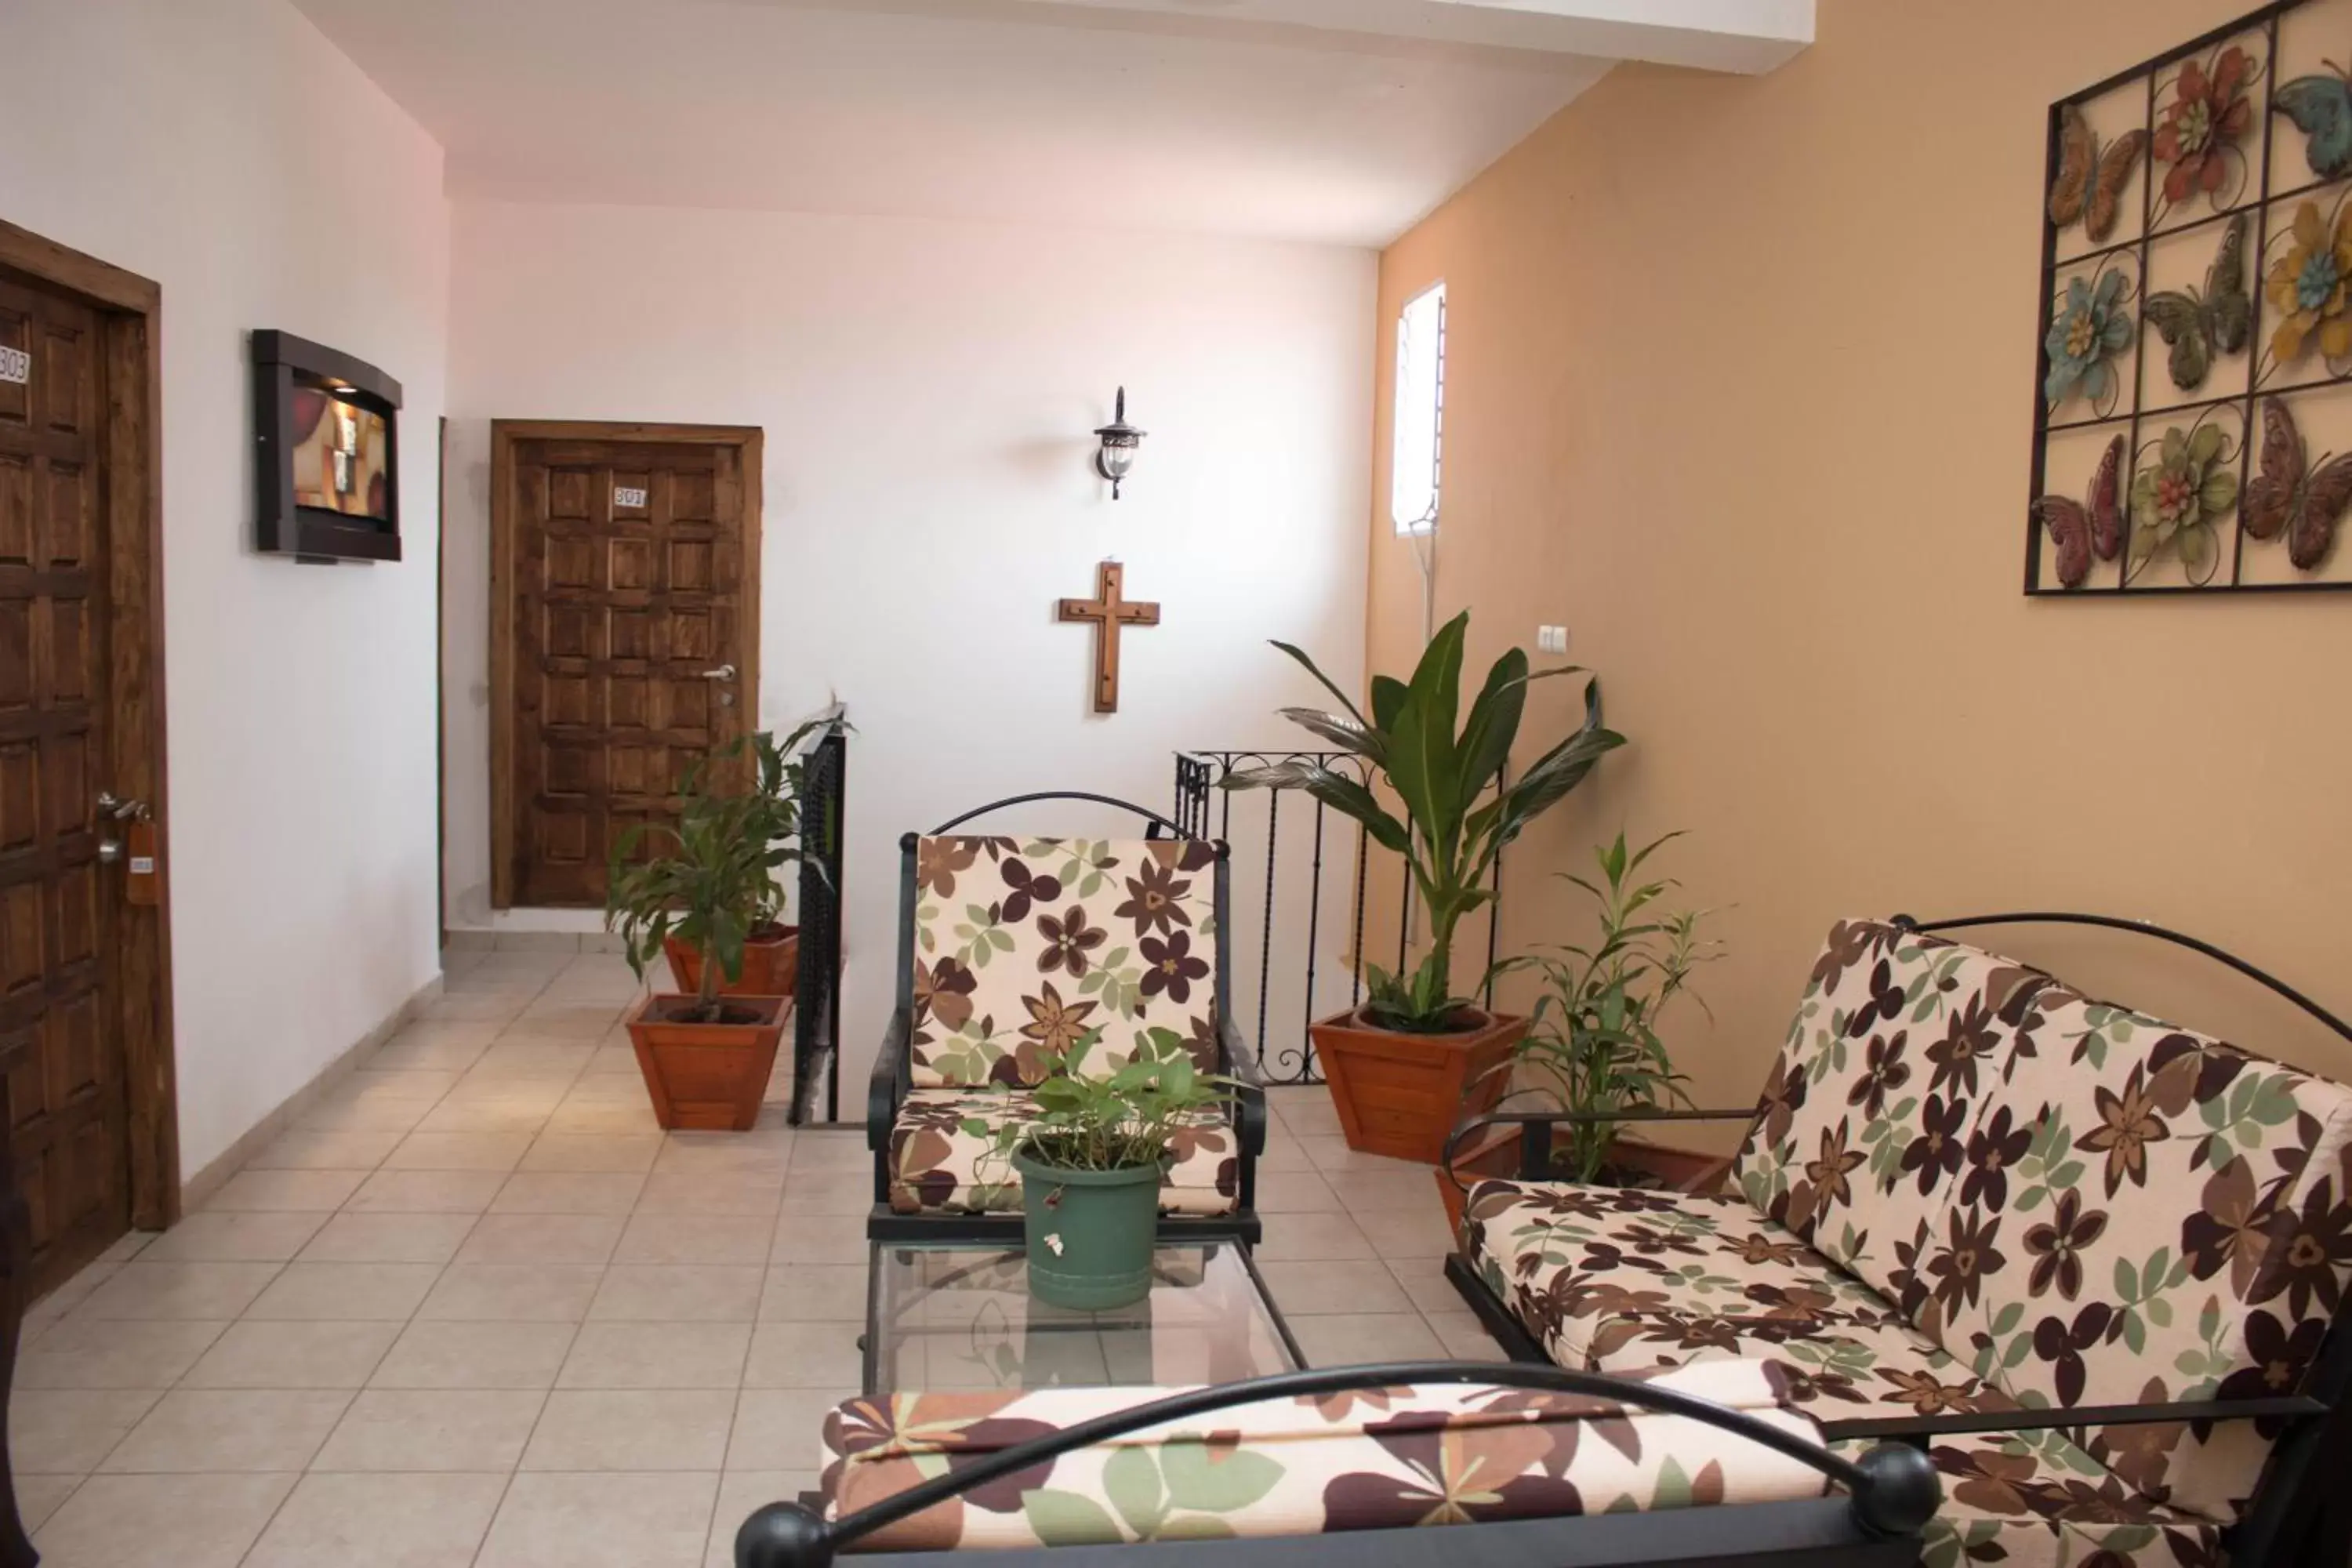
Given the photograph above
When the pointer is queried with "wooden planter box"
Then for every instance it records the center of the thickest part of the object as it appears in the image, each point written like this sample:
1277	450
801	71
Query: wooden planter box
771	966
1401	1095
707	1077
1496	1153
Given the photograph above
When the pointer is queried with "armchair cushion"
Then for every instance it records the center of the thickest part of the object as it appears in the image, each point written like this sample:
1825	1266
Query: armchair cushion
1024	945
938	1166
1372	1459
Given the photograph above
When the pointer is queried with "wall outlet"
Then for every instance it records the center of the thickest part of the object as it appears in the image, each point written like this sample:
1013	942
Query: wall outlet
1551	639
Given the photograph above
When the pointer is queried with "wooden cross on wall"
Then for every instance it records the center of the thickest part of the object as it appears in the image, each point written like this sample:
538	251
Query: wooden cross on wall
1110	612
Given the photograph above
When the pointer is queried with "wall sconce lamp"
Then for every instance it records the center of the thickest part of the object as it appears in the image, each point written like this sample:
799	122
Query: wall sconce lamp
1121	442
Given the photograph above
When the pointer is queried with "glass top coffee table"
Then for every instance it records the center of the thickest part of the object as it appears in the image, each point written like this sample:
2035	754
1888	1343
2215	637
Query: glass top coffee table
960	1315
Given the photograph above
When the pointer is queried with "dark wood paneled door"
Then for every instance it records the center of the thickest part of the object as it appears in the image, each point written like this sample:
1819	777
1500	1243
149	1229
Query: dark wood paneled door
59	902
624	636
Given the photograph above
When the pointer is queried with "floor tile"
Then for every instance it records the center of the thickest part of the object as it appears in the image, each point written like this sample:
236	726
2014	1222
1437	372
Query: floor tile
345	1291
375	1082
1305	1289
1344	1339
601	1520
1464	1337
739	1153
1294	1192
429	1049
489	1088
776	1428
143	1290
498	1151
1423	1281
829	1192
193	1430
1400	1189
516	1057
474	1356
427	1192
589	1152
512	1292
70	1431
347	1115
694	1239
820	1238
827	1150
743	1493
483	1116
381	1520
656	1355
602	1117
389	1238
723	1193
569	1191
1314	1239
432	1429
1406	1234
210	1521
38	1497
816	1291
293	1355
678	1293
612	1088
300	1151
252	1191
542	1238
211	1235
99	1353
633	1429
804	1355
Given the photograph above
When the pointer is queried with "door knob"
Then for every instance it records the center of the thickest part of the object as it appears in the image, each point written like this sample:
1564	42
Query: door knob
724	672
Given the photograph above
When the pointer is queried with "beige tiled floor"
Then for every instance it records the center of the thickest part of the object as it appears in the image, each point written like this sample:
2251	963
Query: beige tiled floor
475	1309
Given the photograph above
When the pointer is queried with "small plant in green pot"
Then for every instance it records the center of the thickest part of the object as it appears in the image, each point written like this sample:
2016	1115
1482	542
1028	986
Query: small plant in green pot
1593	1047
1399	1064
1091	1162
705	1056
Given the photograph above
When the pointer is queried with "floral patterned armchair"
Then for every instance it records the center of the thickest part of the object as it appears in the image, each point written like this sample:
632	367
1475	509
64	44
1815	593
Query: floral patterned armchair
1012	948
1706	1464
2093	1262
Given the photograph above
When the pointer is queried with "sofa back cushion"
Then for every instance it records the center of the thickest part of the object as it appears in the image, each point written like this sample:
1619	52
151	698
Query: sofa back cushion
2160	1216
1377	1458
1023	947
1863	1126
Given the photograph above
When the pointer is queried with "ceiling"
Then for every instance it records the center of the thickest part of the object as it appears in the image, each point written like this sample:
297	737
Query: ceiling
1330	121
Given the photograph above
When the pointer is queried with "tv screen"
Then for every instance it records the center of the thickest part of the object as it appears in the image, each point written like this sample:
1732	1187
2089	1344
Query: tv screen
328	479
342	452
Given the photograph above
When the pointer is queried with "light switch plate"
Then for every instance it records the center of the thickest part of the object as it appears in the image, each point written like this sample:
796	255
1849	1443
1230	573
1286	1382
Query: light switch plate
1551	639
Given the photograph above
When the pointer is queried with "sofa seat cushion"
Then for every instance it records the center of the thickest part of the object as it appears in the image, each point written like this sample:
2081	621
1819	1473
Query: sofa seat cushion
1835	1370
2036	1500
1582	1267
1374	1459
939	1164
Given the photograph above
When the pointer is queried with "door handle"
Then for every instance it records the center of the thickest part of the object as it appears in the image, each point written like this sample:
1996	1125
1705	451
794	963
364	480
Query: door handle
724	672
109	850
122	810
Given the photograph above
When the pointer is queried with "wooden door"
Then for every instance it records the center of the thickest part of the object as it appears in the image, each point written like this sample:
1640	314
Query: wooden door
624	636
59	903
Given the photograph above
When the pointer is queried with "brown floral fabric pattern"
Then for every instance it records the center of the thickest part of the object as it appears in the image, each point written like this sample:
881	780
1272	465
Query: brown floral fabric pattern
1023	947
1373	1460
2173	1221
1873	1109
937	1165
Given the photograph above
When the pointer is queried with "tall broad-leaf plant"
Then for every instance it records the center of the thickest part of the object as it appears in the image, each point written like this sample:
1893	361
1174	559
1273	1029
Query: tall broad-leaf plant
1438	769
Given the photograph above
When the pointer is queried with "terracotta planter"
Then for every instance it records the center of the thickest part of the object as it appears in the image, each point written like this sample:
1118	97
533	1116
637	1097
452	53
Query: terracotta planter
707	1077
1400	1095
1496	1153
771	964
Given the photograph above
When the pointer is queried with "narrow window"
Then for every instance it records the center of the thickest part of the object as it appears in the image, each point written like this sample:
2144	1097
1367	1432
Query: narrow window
1419	439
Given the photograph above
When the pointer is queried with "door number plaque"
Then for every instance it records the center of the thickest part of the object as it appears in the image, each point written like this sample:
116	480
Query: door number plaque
628	495
15	366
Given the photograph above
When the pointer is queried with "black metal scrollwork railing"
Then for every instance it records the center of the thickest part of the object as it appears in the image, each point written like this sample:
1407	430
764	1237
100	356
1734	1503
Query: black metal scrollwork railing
816	1004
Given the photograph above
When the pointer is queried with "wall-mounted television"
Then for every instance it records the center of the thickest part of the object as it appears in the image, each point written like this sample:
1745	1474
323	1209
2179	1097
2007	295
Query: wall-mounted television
327	430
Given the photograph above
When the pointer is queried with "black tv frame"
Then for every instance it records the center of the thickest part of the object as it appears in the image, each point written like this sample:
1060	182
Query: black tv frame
316	534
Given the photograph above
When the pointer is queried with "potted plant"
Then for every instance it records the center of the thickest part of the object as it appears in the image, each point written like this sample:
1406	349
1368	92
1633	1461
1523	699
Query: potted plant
1091	1160
1401	1065
705	1056
1592	1048
772	949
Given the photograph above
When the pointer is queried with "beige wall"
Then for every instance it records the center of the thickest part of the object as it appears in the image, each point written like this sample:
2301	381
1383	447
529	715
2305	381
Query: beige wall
1737	389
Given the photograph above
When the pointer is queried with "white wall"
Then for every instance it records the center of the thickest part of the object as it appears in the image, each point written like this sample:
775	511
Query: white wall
226	150
927	390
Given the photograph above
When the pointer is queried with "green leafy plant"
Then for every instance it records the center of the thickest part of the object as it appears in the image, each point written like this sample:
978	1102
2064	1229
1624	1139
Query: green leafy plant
719	882
1592	1041
1124	1121
1449	841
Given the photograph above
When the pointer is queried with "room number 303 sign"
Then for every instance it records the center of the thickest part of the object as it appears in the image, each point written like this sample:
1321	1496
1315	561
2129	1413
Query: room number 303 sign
16	365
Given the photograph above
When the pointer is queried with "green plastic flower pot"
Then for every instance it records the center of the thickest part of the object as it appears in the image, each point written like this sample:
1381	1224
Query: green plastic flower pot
1090	1233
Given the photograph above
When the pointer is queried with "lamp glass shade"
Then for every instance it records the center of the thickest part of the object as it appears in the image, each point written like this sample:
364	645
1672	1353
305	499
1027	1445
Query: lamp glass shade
1117	456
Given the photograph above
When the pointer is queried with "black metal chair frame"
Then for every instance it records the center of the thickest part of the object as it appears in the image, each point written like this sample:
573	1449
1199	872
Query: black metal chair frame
894	1065
2300	1513
1891	1493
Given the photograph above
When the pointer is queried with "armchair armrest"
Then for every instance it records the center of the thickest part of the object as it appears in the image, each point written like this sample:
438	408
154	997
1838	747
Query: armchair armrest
1535	1143
1904	1427
886	1088
1236	1062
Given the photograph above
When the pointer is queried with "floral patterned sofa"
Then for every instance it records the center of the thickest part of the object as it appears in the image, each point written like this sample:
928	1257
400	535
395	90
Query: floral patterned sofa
1330	1453
1011	948
1970	1198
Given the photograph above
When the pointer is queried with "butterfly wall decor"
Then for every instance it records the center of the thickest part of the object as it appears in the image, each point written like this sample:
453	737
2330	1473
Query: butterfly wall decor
2321	107
2197	326
2090	183
2304	503
2094	526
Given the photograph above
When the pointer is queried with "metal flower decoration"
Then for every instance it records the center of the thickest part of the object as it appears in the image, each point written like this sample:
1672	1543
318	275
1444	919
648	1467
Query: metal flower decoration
2176	500
2199	130
2310	284
2090	329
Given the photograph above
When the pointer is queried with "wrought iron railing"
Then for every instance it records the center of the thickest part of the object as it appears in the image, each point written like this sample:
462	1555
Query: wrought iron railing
1290	888
816	1002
